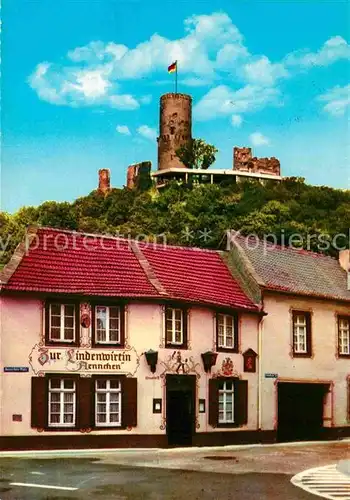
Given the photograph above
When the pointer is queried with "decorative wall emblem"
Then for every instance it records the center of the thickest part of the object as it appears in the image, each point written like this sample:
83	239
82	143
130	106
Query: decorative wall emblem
227	369
176	363
85	320
85	323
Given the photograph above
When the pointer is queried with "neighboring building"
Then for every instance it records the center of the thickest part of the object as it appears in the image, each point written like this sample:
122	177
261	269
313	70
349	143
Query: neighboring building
108	342
304	362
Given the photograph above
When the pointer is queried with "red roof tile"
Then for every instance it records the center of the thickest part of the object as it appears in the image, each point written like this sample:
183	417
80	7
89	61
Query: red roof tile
60	261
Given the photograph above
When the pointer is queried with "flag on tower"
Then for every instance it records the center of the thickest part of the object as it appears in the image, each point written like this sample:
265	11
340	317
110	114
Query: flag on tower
173	67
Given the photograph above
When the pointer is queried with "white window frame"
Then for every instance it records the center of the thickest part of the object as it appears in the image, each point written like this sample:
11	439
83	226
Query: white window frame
173	340
297	335
224	317
62	322
344	336
228	395
62	391
108	341
108	391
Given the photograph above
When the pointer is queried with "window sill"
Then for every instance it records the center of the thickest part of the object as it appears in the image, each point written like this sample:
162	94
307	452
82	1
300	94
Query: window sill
176	347
98	345
232	350
301	354
61	429
343	356
228	426
61	343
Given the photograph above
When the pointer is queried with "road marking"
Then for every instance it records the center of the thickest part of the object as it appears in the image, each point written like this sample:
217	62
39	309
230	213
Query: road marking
326	482
38	473
47	486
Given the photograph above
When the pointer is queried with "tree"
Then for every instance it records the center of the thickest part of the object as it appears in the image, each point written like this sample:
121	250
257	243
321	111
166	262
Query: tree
197	154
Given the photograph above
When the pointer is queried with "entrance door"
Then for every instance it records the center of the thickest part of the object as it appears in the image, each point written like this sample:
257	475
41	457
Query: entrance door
180	409
300	411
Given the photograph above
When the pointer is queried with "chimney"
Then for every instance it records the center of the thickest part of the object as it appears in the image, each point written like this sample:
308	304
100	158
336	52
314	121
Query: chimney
344	261
104	180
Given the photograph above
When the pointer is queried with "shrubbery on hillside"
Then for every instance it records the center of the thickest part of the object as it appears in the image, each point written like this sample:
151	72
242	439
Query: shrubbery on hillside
195	216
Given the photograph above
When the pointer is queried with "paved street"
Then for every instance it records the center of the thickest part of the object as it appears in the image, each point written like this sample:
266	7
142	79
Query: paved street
243	473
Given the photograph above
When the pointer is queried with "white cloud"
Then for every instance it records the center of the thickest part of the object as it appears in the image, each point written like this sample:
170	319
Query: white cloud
123	101
337	100
212	51
236	120
123	129
223	101
332	50
147	132
258	139
262	72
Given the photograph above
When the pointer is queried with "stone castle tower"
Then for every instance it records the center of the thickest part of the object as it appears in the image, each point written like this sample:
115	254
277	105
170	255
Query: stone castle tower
175	128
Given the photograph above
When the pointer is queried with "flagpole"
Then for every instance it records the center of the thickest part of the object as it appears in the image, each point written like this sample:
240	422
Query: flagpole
176	78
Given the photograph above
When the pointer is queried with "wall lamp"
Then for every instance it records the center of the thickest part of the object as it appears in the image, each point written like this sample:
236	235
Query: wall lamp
152	359
209	360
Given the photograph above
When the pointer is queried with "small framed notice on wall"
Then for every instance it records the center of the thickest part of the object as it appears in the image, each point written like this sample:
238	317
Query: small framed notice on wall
201	406
157	406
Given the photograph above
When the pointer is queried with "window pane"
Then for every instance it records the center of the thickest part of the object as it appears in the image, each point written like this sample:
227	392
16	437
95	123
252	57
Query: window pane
101	317
55	383
55	333
68	333
114	324
69	310
101	418
54	418
101	384
68	419
68	383
114	312
55	321
69	321
114	335
114	417
178	314
114	384
55	309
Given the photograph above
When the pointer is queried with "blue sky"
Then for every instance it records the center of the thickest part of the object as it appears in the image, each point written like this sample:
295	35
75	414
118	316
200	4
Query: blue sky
81	82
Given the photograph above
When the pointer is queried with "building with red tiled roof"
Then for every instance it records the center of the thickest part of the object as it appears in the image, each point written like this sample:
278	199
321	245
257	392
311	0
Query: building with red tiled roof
122	343
304	361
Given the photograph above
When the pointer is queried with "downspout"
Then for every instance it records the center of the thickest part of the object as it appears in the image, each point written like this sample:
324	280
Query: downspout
260	363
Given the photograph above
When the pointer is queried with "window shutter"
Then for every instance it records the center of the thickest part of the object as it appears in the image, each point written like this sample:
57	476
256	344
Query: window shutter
85	402
122	324
241	402
308	333
213	402
39	402
129	402
236	332
185	326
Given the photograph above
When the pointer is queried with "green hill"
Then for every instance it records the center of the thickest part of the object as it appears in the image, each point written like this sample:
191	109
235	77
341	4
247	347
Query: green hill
198	215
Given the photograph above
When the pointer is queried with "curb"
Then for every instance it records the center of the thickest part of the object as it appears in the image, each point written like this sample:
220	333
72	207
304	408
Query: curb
110	451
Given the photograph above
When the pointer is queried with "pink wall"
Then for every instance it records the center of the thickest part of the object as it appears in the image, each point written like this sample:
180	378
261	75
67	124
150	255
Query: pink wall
22	327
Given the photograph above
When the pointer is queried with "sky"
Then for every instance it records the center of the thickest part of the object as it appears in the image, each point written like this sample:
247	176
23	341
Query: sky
81	82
